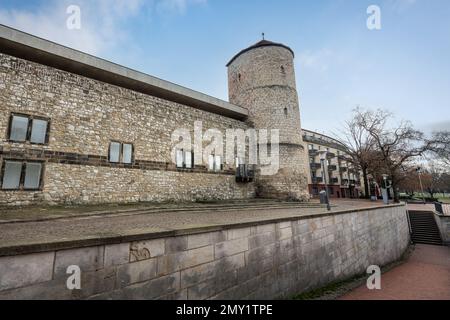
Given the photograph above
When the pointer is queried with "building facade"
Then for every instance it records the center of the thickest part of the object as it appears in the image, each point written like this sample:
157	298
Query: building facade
337	172
75	129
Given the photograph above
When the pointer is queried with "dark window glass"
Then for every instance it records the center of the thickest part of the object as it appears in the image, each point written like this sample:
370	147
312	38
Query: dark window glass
127	153
38	131
114	152
11	176
19	128
32	175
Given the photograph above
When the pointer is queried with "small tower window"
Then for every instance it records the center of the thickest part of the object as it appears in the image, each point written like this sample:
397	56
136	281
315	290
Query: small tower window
283	72
286	112
239	77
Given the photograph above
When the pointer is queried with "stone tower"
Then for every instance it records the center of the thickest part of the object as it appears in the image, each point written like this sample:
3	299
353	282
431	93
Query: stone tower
261	78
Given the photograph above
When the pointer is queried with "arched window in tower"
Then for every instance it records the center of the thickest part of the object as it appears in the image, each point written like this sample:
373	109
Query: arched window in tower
239	77
283	72
286	112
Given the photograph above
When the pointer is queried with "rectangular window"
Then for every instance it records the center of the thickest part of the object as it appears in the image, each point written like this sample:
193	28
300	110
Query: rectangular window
211	162
38	131
27	128
19	175
184	159
19	128
127	153
179	159
188	159
217	163
311	147
114	152
11	175
32	176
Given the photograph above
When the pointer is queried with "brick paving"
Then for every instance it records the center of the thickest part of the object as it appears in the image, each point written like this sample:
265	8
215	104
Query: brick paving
424	276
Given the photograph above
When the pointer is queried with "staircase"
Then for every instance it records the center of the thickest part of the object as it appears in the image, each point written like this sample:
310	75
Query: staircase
424	228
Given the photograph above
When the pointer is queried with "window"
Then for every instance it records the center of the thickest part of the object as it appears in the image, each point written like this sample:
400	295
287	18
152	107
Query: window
311	147
121	153
27	128
184	159
215	163
19	175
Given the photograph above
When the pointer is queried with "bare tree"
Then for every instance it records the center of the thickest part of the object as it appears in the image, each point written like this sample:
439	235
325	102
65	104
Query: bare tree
359	145
397	146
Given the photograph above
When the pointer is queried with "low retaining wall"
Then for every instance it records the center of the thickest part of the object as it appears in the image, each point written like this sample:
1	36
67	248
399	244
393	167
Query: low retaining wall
257	261
443	222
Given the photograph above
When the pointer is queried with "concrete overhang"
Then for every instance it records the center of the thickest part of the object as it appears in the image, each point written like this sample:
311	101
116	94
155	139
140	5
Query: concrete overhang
25	46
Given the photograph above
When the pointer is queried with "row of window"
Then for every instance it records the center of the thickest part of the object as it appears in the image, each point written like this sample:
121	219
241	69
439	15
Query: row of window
24	128
21	175
185	160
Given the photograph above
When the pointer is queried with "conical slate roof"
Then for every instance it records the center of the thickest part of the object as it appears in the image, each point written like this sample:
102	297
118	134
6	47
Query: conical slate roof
262	43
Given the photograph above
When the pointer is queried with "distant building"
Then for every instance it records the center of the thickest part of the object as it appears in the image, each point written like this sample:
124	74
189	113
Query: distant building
343	180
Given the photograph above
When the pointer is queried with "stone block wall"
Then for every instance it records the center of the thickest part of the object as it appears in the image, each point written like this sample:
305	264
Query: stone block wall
85	116
253	261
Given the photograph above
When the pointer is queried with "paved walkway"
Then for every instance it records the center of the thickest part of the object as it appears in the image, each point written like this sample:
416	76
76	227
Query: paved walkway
68	232
425	276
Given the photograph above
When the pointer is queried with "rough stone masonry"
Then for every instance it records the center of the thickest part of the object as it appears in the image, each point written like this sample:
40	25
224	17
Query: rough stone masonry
89	105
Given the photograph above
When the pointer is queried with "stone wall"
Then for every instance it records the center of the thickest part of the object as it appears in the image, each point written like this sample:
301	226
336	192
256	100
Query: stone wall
252	261
85	116
262	80
443	222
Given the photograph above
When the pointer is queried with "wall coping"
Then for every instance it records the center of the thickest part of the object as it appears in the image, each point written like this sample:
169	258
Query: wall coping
26	46
124	238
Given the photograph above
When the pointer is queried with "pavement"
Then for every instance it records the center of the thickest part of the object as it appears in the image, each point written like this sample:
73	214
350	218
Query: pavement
18	237
424	276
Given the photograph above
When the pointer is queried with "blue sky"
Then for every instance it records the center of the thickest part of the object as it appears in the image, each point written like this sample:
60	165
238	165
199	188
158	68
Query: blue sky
404	67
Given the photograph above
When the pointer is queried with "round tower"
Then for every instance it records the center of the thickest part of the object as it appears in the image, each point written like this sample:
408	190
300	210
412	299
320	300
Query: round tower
261	79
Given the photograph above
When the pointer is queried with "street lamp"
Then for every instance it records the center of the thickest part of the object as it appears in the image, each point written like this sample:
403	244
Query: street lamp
385	189
323	157
421	185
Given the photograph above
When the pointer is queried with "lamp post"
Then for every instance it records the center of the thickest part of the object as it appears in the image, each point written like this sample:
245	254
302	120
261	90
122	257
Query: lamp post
323	157
385	189
421	185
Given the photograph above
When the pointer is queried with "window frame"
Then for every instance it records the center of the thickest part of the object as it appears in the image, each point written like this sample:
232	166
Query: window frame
121	157
29	128
184	164
22	175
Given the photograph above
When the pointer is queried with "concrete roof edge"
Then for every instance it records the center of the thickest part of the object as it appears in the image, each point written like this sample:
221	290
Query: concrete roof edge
25	46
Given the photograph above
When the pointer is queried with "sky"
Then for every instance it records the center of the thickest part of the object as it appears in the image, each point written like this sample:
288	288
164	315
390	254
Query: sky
404	67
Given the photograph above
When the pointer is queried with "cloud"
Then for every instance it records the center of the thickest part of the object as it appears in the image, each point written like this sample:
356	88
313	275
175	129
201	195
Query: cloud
176	6
103	22
400	6
317	60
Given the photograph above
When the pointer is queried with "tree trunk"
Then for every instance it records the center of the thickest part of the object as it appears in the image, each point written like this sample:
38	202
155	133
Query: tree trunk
396	194
366	183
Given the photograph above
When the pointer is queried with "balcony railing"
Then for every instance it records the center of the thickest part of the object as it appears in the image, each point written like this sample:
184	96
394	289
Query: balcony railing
334	180
317	180
345	182
332	167
315	166
343	169
313	152
331	155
